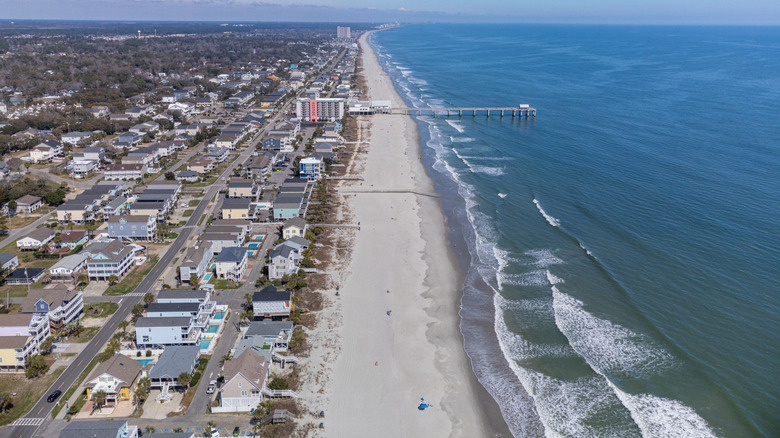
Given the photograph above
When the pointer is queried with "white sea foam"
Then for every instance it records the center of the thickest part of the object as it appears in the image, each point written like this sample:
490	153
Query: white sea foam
564	407
457	125
543	258
461	139
586	250
609	348
662	417
487	170
533	278
502	195
552	279
551	220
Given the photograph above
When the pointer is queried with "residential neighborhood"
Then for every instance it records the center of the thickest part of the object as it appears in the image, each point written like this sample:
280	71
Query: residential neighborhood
160	264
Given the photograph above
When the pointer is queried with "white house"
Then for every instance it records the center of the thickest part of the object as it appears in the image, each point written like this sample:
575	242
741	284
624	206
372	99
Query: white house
83	167
35	240
46	151
60	304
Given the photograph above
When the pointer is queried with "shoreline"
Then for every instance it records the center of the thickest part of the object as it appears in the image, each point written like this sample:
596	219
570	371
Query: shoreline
386	363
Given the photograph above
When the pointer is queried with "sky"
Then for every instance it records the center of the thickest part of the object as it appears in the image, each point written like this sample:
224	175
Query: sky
766	12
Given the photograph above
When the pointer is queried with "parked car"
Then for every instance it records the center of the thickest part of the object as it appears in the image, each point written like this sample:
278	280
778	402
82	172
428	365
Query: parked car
236	431
53	396
212	387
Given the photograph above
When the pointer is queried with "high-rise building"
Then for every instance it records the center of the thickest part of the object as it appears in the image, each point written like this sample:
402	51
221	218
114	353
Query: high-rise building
318	110
343	32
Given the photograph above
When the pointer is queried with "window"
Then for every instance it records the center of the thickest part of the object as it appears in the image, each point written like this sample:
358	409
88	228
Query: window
239	384
243	393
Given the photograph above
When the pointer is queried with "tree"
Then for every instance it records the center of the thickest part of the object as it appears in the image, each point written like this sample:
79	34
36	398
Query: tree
99	398
194	280
112	279
224	359
46	345
35	366
6	402
123	325
247	300
82	279
247	314
56	197
12	205
138	310
170	176
149	298
184	379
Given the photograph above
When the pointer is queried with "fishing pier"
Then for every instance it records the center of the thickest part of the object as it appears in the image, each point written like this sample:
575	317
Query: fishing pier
518	111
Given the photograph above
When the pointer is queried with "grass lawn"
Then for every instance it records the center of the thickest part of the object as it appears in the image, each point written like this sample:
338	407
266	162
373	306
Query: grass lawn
28	392
182	167
99	310
21	222
14	290
131	280
187	213
224	284
10	248
209	181
39	264
195	202
200	221
85	335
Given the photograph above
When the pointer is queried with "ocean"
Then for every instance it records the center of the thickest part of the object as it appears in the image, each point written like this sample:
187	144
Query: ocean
621	250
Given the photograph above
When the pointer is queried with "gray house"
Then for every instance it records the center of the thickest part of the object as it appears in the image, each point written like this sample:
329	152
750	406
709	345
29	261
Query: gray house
174	361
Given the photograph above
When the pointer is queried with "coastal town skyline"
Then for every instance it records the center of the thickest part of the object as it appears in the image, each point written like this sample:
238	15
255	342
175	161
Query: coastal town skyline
753	12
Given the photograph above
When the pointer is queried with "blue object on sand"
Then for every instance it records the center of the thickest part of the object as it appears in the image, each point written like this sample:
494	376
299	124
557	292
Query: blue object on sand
422	406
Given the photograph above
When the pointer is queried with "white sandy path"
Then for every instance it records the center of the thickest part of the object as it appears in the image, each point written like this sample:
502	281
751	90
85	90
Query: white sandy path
418	348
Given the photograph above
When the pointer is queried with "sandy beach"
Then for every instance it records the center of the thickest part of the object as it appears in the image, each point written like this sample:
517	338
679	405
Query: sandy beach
376	367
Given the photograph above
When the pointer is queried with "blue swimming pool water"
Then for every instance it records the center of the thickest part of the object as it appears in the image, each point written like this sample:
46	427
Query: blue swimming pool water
205	344
254	245
219	315
144	361
212	329
207	277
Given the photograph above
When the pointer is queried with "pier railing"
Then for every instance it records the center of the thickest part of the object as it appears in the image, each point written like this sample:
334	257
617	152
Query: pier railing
518	111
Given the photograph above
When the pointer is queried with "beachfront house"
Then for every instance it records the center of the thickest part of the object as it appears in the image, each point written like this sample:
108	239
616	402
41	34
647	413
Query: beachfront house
294	227
271	302
245	378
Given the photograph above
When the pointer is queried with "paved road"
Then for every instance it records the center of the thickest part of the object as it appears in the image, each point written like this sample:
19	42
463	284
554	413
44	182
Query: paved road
43	409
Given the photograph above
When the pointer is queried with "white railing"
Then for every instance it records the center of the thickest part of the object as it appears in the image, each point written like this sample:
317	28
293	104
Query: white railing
278	393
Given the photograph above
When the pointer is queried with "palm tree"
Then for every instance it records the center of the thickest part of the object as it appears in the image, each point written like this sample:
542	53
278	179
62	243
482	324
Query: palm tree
247	315
149	298
138	310
224	359
194	281
99	398
123	325
248	300
112	279
184	379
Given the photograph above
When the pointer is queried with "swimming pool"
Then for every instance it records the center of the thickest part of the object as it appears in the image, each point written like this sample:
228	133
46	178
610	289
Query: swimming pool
204	345
254	245
207	277
213	266
144	361
219	315
260	237
212	329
